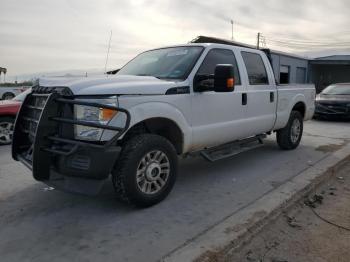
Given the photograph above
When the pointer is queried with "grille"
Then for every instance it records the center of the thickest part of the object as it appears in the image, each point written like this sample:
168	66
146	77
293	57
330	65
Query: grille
334	108
31	112
44	129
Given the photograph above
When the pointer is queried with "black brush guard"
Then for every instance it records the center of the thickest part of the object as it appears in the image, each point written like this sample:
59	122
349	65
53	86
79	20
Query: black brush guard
43	138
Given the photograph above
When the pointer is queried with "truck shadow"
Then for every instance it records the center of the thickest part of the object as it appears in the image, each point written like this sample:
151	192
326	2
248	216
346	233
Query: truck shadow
195	176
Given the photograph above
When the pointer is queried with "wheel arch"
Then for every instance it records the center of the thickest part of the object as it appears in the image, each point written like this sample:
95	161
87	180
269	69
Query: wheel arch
161	126
300	107
154	114
285	107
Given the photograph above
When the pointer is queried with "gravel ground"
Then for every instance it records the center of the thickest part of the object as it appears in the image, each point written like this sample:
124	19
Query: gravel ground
319	233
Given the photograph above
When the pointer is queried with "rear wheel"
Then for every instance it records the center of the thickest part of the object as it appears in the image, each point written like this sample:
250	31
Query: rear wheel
146	171
6	130
289	137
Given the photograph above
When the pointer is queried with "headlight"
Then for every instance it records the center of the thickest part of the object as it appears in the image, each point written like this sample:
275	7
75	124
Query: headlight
94	115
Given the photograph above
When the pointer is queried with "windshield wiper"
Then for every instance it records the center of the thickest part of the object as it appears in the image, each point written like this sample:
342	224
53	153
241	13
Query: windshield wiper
149	75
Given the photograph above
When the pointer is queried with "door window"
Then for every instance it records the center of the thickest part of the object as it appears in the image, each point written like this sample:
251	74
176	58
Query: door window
219	56
256	70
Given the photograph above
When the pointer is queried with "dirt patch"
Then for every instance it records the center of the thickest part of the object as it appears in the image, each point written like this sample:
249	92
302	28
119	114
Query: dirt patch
219	255
276	184
330	148
316	229
211	256
251	221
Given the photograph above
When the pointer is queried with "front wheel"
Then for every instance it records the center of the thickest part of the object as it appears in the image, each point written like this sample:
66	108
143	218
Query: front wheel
289	137
6	130
146	171
8	96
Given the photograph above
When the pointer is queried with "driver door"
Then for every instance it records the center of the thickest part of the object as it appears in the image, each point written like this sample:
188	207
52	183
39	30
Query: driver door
218	118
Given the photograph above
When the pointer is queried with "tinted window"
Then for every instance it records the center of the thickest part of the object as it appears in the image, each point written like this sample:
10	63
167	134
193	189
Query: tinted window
256	69
219	56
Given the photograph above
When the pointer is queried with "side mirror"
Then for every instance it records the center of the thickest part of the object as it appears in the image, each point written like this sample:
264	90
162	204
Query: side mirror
224	78
113	72
203	83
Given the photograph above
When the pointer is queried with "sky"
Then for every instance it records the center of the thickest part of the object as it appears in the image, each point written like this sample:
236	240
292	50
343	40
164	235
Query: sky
38	36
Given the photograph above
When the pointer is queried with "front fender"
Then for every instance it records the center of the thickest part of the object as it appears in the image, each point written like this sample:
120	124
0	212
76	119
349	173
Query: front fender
148	110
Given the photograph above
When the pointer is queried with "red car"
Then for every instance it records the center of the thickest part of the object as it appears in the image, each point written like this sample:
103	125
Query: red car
8	112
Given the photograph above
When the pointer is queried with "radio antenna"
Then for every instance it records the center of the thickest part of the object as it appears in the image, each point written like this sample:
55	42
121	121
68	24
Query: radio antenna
109	47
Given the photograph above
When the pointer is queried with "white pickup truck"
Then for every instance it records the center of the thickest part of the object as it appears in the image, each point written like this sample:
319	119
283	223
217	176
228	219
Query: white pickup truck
212	100
7	93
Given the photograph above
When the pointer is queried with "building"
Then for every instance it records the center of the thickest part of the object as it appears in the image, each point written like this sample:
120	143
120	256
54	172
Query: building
324	71
290	68
321	71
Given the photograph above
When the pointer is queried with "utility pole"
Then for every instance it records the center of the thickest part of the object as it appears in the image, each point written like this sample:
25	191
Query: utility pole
3	71
109	47
258	42
232	29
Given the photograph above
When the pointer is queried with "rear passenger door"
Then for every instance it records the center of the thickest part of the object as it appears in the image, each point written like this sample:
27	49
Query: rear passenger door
261	93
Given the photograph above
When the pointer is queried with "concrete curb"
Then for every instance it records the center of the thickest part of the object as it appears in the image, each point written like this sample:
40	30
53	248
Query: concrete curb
241	226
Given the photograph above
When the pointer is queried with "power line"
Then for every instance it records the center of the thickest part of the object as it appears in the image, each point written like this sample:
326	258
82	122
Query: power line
308	44
298	43
306	41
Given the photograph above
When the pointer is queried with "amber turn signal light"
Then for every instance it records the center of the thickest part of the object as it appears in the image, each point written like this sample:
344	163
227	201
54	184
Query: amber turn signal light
230	82
107	114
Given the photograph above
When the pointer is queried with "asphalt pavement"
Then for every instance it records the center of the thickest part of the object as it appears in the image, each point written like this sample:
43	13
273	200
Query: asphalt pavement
41	224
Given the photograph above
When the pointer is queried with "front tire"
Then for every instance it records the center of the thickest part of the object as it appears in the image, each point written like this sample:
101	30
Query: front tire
289	137
146	170
8	96
6	130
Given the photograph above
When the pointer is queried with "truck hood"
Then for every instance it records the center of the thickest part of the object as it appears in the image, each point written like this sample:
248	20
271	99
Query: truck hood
111	85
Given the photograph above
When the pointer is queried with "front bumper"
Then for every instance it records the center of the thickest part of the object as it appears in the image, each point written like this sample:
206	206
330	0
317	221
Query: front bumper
43	140
332	111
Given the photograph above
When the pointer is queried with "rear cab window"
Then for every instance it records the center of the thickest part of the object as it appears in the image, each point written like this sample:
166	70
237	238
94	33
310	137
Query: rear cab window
256	70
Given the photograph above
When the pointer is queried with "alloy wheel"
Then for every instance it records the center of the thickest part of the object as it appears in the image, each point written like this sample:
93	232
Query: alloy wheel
6	132
152	172
295	130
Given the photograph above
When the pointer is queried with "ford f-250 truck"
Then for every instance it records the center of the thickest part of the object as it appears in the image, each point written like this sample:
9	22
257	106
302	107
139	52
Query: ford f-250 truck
213	100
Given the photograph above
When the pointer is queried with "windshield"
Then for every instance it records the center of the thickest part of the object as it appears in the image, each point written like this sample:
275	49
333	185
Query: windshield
166	63
337	90
22	95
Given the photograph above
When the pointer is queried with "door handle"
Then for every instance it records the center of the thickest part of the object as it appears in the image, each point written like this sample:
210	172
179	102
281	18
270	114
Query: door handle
272	97
244	99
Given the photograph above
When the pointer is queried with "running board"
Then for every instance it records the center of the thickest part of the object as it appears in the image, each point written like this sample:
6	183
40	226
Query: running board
232	149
